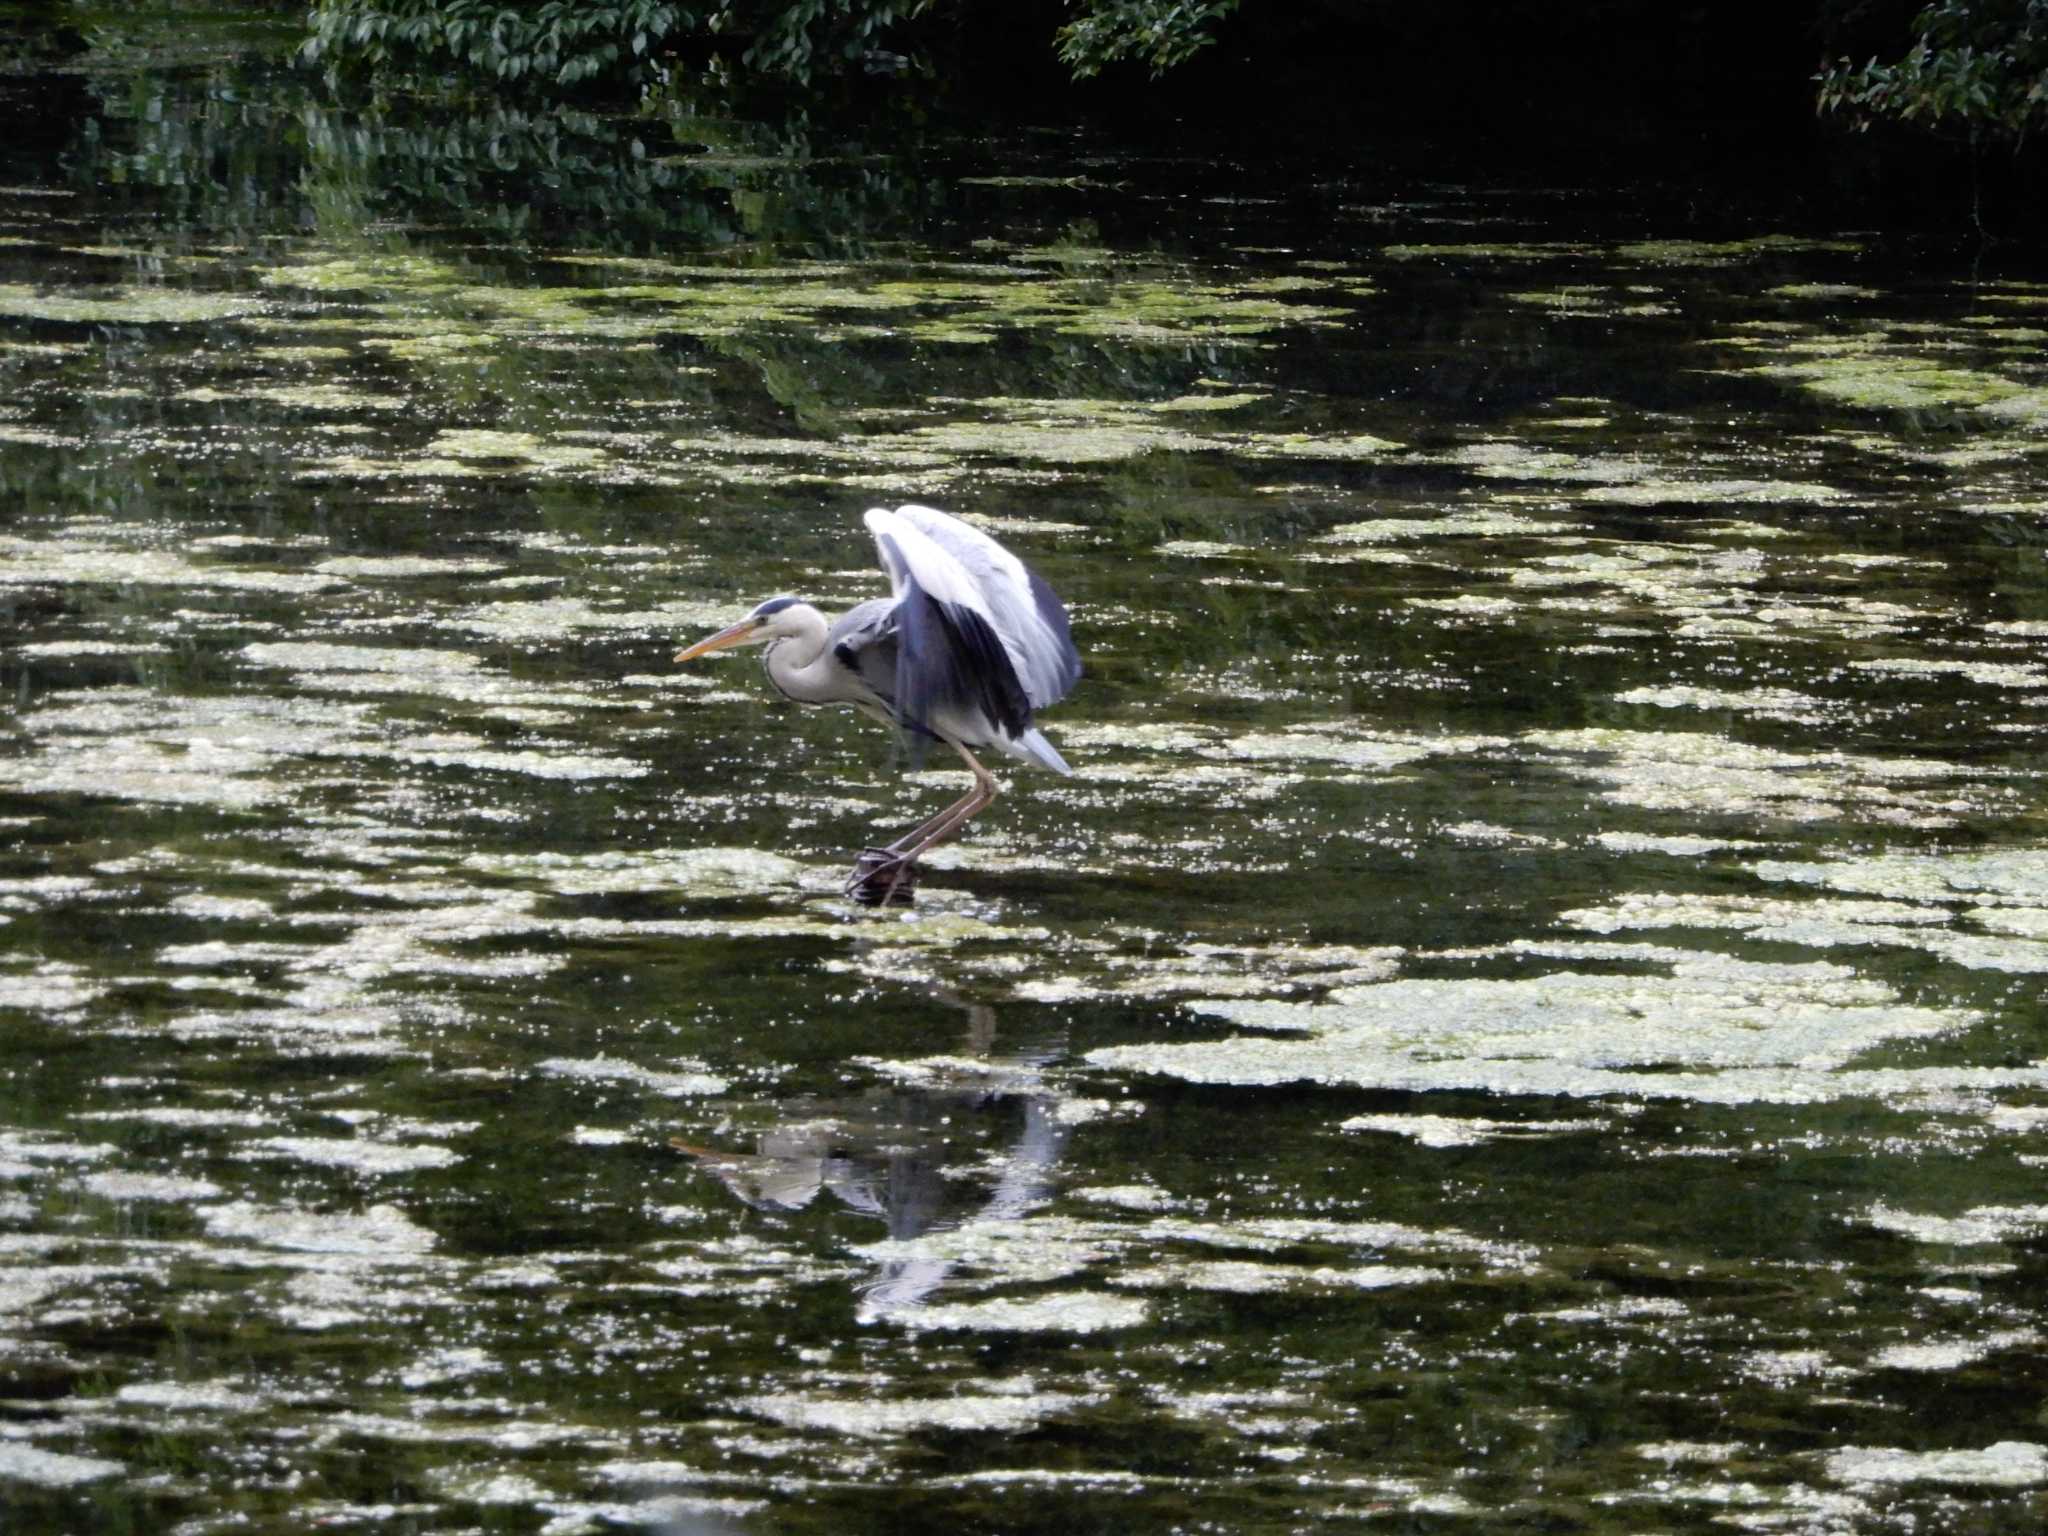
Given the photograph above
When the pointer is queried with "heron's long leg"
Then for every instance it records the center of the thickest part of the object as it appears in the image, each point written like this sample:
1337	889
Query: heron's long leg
874	861
906	849
925	828
949	821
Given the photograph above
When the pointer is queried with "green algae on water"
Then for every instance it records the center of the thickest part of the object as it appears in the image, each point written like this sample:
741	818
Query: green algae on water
128	306
1698	1026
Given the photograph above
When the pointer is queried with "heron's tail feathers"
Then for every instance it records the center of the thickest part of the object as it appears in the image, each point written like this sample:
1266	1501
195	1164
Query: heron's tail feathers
1033	747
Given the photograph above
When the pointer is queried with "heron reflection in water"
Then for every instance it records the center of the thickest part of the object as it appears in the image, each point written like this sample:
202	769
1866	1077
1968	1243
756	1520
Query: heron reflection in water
894	1153
969	644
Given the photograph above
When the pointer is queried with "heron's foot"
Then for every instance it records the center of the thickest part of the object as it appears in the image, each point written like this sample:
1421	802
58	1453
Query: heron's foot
881	877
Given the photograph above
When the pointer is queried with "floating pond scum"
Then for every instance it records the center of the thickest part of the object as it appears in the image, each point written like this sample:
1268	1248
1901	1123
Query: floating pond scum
1526	1016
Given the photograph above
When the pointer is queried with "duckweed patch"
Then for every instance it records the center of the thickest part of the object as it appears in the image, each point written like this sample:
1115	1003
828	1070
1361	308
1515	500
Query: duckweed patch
1696	1026
1595	301
1062	1312
1706	774
1860	374
54	1469
1759	703
1682	253
337	398
1823	291
943	304
87	562
2008	1464
986	1413
702	872
126	306
1472	523
1535	250
1450	1131
1645	493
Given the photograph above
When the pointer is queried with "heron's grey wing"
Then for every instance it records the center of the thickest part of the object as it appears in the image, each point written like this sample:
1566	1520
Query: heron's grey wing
961	567
864	641
953	671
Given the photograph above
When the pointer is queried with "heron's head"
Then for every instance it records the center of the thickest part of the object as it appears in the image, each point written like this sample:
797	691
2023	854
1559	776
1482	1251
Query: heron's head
772	620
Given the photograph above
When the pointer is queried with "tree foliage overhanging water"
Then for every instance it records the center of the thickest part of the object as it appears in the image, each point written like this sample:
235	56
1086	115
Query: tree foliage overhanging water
1723	93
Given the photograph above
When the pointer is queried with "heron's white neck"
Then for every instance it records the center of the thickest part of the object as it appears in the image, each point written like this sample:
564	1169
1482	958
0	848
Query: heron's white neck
796	662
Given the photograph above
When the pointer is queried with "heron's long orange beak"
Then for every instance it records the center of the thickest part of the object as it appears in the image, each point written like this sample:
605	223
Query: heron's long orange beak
739	634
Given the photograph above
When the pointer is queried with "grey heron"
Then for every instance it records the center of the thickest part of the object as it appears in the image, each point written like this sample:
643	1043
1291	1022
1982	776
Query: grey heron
969	644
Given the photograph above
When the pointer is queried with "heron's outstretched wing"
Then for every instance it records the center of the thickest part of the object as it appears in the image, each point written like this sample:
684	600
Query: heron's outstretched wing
967	573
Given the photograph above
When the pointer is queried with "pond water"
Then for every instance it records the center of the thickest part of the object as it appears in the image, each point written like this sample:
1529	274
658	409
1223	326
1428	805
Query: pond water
1526	1016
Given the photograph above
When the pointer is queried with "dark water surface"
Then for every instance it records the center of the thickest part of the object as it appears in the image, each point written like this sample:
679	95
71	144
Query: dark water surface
1527	1016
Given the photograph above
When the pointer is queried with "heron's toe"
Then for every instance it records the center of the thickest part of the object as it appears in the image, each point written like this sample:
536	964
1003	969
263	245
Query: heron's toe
880	878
